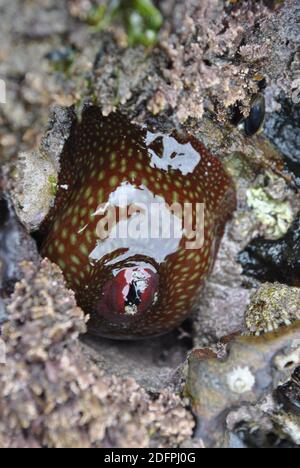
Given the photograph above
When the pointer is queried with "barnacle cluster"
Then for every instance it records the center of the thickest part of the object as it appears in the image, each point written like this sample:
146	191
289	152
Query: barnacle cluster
272	306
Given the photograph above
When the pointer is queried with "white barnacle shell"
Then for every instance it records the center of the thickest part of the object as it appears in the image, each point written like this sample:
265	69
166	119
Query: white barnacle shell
241	380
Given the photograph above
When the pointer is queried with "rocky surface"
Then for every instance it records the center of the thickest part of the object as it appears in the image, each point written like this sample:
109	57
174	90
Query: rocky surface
272	306
209	59
252	369
53	395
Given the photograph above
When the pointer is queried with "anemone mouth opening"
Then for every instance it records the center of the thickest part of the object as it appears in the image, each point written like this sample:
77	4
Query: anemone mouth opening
130	293
134	296
153	361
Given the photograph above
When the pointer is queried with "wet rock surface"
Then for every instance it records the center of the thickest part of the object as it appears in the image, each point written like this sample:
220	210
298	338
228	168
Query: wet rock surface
250	371
289	393
274	260
34	196
15	246
262	425
3	314
283	129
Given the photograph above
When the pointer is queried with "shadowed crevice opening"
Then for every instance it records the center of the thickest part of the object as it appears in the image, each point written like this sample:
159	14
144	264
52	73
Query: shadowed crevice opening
152	362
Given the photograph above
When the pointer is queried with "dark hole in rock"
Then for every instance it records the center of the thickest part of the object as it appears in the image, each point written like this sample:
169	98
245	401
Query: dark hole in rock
274	260
289	364
3	211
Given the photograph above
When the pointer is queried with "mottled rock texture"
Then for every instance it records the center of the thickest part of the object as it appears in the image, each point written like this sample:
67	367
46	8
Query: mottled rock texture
52	395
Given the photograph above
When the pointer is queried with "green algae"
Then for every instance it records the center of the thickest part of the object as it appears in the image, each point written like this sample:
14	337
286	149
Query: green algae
141	19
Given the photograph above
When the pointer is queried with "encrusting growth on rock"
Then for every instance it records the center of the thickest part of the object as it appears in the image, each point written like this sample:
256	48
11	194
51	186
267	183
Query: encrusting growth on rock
272	306
51	395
